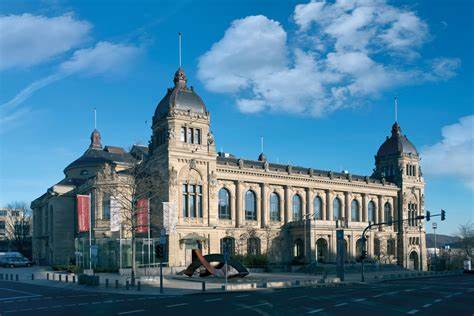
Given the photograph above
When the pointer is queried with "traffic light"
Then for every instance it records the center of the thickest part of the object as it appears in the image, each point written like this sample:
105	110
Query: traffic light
443	215
428	216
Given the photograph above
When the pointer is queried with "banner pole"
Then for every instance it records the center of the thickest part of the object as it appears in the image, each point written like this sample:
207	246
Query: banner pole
90	231
149	233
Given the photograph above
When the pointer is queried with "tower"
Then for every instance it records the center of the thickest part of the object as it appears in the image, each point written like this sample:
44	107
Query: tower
398	161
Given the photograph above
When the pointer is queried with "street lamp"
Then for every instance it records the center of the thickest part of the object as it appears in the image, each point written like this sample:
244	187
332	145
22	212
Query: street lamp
435	226
420	227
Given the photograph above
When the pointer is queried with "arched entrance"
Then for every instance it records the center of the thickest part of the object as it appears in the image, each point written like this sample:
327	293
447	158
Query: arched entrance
321	250
414	261
359	248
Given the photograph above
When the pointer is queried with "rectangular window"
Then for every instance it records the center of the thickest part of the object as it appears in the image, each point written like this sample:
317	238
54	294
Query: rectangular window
2	224
182	136
106	207
192	201
199	201
190	139
3	213
185	200
197	136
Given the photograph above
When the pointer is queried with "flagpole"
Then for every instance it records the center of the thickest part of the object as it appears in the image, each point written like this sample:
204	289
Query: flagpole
90	231
120	245
149	233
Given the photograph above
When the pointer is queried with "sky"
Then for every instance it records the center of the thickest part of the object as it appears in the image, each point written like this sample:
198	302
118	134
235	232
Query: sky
316	79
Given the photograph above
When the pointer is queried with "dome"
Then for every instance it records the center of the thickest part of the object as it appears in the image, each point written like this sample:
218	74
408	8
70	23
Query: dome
397	144
180	97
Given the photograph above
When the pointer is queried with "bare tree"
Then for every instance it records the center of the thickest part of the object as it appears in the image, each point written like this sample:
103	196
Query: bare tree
466	235
127	187
18	227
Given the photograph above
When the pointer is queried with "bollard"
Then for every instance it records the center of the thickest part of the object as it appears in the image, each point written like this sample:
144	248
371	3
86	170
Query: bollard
106	282
127	285
16	277
47	276
203	286
138	285
1	276
11	277
74	278
67	278
32	276
60	278
116	284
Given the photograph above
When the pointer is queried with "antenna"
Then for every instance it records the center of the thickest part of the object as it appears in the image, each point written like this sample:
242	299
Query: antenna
95	118
396	109
261	144
179	45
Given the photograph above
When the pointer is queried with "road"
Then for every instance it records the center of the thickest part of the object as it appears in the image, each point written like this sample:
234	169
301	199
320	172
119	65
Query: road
452	296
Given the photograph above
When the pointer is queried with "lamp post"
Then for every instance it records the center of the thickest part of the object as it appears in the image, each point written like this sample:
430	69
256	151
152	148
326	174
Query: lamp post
420	227
435	226
305	219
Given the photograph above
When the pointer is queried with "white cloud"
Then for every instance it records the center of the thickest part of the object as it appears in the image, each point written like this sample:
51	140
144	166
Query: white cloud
342	54
454	154
27	40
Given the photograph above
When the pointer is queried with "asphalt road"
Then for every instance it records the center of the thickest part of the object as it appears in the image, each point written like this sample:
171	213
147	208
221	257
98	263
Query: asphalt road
453	296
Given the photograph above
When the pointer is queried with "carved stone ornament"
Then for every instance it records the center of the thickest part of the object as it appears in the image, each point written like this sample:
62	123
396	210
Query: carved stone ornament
311	172
266	166
241	163
192	164
210	138
213	180
331	175
349	177
173	177
384	181
171	134
366	179
289	169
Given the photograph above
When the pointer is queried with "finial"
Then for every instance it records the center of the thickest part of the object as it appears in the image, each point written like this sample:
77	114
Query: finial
95	140
261	144
179	48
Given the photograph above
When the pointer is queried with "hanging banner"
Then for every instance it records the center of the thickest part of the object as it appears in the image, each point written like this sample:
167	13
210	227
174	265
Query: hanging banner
142	215
83	212
170	217
115	220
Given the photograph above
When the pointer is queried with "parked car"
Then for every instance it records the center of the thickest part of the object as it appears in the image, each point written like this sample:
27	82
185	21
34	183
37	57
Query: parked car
14	262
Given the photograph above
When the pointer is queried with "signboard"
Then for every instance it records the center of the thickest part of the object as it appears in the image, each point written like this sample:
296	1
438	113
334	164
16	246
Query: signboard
170	217
142	215
115	220
83	212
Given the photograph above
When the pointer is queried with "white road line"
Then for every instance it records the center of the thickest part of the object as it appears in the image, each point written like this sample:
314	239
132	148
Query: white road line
314	311
243	295
409	290
213	300
359	299
176	305
426	305
131	312
378	295
15	298
340	304
392	293
413	311
81	304
437	300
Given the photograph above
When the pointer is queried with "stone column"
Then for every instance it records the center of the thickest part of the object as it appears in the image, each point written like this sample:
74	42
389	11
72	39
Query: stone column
347	207
381	209
309	205
264	205
238	204
287	204
329	216
364	212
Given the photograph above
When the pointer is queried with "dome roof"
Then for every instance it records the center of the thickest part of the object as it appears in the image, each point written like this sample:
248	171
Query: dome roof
397	144
180	97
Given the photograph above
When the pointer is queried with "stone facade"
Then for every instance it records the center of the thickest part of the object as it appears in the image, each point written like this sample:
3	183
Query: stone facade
285	212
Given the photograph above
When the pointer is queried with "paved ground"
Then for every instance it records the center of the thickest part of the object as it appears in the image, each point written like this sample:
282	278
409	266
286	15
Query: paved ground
428	296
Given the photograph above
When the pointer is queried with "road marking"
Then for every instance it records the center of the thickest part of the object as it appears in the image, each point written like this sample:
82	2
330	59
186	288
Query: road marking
56	306
81	304
131	312
437	300
314	311
378	295
359	299
413	311
243	295
426	305
409	290
213	300
340	304
392	293
176	305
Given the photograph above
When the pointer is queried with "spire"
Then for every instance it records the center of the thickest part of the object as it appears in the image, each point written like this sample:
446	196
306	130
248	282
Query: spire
261	157
396	108
179	49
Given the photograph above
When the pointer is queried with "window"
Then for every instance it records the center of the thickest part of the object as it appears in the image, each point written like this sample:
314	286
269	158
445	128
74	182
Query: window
317	208
297	212
106	206
191	200
228	243
388	212
336	207
355	211
412	214
2	224
274	207
298	248
3	213
253	246
250	206
190	138
371	212
197	136
182	136
391	247
224	204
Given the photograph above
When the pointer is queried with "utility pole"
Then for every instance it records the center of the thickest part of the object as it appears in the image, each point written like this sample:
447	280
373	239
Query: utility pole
420	227
435	226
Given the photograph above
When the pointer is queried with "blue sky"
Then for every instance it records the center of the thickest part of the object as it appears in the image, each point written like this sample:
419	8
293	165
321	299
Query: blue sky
315	79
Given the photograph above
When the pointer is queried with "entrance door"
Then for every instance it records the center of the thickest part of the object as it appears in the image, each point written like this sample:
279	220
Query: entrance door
414	261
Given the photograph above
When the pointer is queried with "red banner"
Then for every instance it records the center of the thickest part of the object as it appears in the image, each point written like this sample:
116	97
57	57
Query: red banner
142	215
83	205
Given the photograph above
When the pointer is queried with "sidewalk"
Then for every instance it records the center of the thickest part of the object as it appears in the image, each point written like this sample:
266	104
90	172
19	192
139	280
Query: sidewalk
183	285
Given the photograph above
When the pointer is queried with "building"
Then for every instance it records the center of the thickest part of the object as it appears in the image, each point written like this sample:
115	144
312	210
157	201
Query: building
287	212
15	230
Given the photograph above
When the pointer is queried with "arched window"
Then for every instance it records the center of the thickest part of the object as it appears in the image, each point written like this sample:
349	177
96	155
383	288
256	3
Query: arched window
228	244
253	246
224	204
317	208
274	207
250	206
298	248
336	207
391	247
388	212
371	212
355	211
297	214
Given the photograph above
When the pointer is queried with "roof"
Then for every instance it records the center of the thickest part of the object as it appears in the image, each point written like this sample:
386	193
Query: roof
253	164
94	156
397	144
180	97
